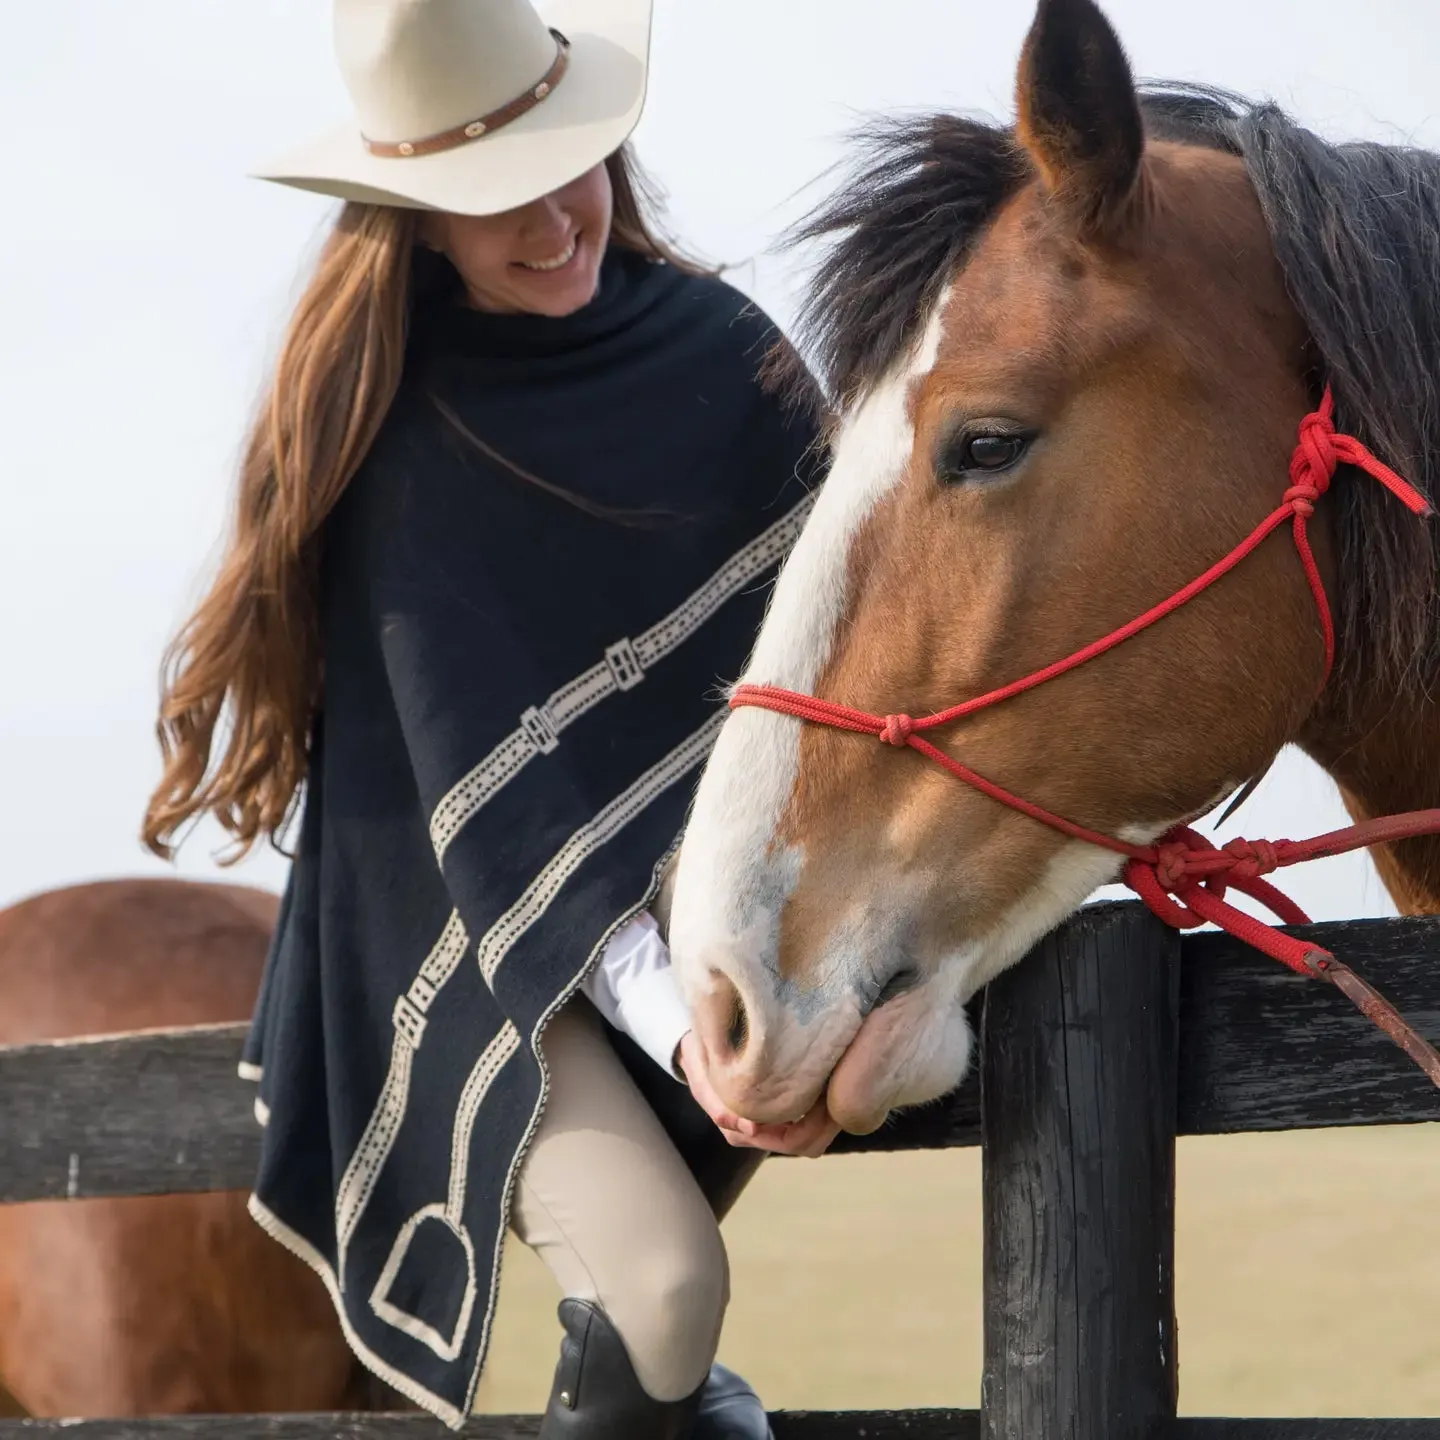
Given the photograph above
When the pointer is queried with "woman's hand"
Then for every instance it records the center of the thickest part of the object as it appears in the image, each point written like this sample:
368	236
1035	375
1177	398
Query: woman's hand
810	1136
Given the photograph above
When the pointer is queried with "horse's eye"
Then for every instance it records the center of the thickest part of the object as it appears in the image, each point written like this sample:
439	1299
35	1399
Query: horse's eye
994	452
974	455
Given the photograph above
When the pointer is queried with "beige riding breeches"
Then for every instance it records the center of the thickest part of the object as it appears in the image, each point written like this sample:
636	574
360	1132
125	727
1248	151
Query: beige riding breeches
606	1201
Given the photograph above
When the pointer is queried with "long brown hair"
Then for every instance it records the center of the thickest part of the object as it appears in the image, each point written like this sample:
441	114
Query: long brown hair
250	653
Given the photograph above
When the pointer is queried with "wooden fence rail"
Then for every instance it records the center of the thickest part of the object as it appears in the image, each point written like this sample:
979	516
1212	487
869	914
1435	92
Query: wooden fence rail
789	1425
1095	1053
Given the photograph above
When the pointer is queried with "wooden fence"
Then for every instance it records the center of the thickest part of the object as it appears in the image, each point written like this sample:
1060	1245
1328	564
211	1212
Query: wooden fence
1113	1038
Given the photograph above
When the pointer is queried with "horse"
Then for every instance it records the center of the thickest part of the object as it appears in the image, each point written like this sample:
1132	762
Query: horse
153	1304
1073	368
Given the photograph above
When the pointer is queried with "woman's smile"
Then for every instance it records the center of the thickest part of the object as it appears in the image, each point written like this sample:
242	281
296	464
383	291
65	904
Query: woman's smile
555	262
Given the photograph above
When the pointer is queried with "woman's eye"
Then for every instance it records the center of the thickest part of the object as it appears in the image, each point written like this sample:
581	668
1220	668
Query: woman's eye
987	454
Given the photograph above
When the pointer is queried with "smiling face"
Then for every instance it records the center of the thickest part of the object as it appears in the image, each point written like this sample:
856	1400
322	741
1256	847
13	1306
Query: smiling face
1102	401
541	259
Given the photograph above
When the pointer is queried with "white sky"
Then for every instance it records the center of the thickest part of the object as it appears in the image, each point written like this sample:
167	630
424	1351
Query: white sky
143	280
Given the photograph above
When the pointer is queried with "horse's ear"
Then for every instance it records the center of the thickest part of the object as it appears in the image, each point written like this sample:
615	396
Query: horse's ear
1079	114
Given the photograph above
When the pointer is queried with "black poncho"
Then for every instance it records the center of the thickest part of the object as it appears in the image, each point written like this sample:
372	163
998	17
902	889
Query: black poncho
519	691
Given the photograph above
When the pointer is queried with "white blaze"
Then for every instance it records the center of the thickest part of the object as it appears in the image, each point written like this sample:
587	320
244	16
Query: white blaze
729	887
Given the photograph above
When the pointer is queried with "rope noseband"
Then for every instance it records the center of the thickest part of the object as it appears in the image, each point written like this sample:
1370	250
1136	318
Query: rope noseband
1183	878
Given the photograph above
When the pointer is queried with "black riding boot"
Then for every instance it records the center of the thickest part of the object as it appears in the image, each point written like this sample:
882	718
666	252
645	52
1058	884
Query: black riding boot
730	1409
596	1395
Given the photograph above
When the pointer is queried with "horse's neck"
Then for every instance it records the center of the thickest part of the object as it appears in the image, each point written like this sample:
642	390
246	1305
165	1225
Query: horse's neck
1384	766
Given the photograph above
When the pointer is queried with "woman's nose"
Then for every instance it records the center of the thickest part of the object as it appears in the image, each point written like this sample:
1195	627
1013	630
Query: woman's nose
547	217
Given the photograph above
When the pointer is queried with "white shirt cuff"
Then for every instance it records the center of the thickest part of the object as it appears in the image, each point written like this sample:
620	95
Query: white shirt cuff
635	989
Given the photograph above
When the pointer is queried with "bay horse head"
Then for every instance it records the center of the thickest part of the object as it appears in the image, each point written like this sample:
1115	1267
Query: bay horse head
1066	363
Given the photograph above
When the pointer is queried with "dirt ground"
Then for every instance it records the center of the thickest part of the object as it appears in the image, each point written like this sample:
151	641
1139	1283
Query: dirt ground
1308	1267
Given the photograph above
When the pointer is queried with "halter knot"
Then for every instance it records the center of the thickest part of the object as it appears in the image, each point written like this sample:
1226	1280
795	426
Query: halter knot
1301	499
1316	458
897	730
1251	858
1172	865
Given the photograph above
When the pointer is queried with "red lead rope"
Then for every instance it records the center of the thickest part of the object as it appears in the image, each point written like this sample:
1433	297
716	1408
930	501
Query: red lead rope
1183	878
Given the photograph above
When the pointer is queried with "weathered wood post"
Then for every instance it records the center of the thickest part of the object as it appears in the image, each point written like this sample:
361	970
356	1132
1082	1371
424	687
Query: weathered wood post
1080	1046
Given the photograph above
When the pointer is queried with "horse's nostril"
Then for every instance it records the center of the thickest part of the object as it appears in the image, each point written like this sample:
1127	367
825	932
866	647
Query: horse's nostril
731	1007
739	1031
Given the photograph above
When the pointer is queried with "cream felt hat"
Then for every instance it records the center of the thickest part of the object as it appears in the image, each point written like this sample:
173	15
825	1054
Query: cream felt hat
475	106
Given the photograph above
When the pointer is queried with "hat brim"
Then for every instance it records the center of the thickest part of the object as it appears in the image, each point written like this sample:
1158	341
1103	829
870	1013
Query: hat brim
588	116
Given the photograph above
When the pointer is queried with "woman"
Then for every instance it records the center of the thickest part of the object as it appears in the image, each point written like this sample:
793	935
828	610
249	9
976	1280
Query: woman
505	524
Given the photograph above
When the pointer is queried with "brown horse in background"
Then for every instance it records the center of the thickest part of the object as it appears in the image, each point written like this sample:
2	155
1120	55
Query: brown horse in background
153	1304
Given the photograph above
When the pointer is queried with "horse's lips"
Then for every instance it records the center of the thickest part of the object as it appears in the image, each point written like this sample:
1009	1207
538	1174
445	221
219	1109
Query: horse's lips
866	1071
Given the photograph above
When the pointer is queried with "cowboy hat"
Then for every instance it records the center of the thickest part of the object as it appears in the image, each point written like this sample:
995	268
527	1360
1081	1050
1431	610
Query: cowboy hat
475	106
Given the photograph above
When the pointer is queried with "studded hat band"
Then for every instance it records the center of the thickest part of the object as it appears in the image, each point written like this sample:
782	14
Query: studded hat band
474	129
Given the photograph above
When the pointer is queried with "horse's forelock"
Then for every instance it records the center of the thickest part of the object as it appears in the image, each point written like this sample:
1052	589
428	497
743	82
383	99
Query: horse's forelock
920	191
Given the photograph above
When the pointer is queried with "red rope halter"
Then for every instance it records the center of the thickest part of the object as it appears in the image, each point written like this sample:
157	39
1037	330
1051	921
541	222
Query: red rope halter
1183	878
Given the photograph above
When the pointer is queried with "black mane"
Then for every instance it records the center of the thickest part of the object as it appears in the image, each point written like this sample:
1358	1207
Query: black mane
1356	228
